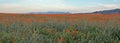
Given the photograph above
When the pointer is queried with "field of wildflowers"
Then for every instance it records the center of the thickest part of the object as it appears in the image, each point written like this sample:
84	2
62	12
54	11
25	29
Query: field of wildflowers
60	32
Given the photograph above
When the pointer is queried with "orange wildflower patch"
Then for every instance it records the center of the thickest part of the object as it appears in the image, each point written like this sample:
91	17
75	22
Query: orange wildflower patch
67	30
58	17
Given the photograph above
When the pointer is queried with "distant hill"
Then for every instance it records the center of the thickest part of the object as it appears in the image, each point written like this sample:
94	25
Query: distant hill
50	13
113	11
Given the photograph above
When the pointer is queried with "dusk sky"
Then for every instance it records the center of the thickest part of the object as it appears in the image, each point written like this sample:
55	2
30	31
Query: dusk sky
74	6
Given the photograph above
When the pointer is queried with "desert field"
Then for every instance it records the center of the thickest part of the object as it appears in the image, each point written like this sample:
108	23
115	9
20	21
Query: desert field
59	28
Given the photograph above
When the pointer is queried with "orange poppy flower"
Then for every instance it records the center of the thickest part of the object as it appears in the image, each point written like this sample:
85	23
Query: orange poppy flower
67	30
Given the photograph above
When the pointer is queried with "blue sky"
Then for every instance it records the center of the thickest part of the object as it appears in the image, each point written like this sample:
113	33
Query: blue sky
74	6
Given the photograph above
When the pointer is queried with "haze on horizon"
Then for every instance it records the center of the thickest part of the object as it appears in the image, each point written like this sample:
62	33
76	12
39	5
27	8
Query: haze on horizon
74	6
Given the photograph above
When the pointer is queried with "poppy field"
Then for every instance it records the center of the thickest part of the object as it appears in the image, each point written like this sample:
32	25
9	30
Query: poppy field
59	28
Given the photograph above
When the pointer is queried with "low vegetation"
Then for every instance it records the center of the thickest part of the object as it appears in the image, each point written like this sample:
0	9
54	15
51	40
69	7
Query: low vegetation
55	32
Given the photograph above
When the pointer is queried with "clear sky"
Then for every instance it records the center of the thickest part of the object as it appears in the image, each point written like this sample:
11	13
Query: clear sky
74	6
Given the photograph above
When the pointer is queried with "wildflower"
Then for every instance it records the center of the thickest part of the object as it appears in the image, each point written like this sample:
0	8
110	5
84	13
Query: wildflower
66	30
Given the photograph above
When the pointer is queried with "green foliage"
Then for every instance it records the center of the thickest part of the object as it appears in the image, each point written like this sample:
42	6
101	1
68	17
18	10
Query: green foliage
55	32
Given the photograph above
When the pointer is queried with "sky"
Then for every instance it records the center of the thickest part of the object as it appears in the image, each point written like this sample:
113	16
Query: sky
73	6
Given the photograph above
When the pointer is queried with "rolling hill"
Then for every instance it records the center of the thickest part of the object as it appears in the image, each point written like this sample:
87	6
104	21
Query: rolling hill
113	11
50	12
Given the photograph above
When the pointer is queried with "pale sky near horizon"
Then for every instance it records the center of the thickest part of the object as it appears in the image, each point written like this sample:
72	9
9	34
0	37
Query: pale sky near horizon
74	6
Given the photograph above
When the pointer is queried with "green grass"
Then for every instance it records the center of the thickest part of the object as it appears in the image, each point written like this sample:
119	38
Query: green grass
55	32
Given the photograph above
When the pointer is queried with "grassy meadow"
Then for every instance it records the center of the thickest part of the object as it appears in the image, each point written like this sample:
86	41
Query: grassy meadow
59	28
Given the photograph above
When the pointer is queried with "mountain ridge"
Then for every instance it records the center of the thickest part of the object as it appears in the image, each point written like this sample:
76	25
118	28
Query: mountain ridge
113	11
50	12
